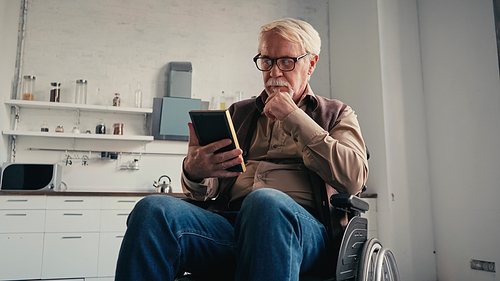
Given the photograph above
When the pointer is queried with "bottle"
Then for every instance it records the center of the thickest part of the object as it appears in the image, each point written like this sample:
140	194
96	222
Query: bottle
81	91
55	93
118	129
44	127
223	101
116	99
59	129
138	96
28	87
100	128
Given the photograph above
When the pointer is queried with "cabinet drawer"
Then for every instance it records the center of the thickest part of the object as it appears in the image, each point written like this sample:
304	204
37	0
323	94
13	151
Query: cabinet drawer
113	220
21	256
70	255
12	221
72	221
73	202
119	203
22	202
109	247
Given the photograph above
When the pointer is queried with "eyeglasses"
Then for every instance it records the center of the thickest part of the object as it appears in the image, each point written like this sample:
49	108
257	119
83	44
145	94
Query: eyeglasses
284	63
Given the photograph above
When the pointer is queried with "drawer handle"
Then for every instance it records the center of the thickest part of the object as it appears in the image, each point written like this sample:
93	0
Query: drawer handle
120	236
69	214
126	201
71	237
16	215
73	201
17	200
122	214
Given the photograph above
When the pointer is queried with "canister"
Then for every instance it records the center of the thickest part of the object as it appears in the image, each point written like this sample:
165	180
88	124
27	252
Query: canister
28	87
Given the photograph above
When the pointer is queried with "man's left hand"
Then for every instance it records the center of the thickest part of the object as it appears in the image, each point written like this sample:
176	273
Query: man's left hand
279	105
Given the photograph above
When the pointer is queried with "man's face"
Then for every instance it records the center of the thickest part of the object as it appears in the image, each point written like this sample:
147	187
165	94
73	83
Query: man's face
274	46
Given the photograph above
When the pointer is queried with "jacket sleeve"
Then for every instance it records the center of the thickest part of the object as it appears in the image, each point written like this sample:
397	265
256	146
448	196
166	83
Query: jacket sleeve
205	190
338	156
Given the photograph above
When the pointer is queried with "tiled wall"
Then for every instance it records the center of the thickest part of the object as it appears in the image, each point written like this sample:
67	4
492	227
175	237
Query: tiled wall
115	43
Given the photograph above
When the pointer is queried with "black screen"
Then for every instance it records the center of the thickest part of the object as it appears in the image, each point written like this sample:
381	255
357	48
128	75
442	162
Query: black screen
26	176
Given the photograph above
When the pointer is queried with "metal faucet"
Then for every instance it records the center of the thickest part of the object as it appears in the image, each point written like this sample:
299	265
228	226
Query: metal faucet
163	187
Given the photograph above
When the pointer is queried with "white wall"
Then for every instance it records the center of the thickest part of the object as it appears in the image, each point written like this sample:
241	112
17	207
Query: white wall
115	44
423	76
462	99
9	21
376	69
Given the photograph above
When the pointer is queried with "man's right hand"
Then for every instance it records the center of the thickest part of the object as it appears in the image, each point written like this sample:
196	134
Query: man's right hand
201	162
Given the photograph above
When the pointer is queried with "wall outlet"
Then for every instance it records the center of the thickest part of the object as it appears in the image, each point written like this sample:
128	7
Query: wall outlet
482	265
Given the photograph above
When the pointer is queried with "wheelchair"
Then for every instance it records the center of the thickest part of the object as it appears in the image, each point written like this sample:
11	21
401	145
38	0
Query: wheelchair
359	258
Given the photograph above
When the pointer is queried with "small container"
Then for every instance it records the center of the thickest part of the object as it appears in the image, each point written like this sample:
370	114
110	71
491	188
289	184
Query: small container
118	129
116	99
138	96
223	101
55	93
100	128
75	130
28	87
81	91
44	127
238	96
59	129
88	132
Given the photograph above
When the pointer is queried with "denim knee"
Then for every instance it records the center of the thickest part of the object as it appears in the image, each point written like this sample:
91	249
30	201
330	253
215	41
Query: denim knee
151	206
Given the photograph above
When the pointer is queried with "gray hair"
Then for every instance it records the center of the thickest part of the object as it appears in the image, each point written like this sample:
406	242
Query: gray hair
295	31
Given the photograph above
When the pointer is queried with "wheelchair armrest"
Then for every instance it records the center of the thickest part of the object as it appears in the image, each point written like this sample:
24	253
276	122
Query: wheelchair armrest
350	202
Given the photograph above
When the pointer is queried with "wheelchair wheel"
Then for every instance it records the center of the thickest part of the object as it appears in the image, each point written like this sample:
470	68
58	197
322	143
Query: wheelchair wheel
377	263
386	268
367	263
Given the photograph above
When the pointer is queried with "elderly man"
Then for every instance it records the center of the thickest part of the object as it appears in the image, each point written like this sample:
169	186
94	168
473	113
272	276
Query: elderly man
262	224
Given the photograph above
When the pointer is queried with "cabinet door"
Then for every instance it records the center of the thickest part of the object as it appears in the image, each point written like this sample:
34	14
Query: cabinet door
119	203
70	255
114	220
72	221
22	202
16	221
109	247
73	203
21	256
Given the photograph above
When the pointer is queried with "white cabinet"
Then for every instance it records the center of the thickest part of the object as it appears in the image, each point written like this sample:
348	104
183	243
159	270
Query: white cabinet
57	237
71	241
22	226
114	214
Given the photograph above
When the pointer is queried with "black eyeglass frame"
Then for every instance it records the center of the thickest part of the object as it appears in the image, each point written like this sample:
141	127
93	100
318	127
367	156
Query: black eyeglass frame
273	61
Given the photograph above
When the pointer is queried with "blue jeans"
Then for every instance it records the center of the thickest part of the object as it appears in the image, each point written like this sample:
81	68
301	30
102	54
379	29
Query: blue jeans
273	238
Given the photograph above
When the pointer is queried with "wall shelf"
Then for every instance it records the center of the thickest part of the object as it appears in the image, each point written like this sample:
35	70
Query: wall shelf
78	136
81	107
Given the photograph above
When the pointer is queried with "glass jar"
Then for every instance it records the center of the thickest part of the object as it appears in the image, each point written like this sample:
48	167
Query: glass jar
81	91
44	127
28	87
118	129
100	128
59	129
116	100
55	93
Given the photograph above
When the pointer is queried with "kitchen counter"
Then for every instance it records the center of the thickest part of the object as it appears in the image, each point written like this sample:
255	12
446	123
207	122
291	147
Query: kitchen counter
109	193
82	193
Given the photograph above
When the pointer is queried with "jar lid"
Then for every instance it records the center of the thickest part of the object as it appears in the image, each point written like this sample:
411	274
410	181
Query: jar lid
29	77
55	84
81	81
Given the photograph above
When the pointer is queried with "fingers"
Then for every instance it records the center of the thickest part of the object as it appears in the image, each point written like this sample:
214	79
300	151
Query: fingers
193	140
